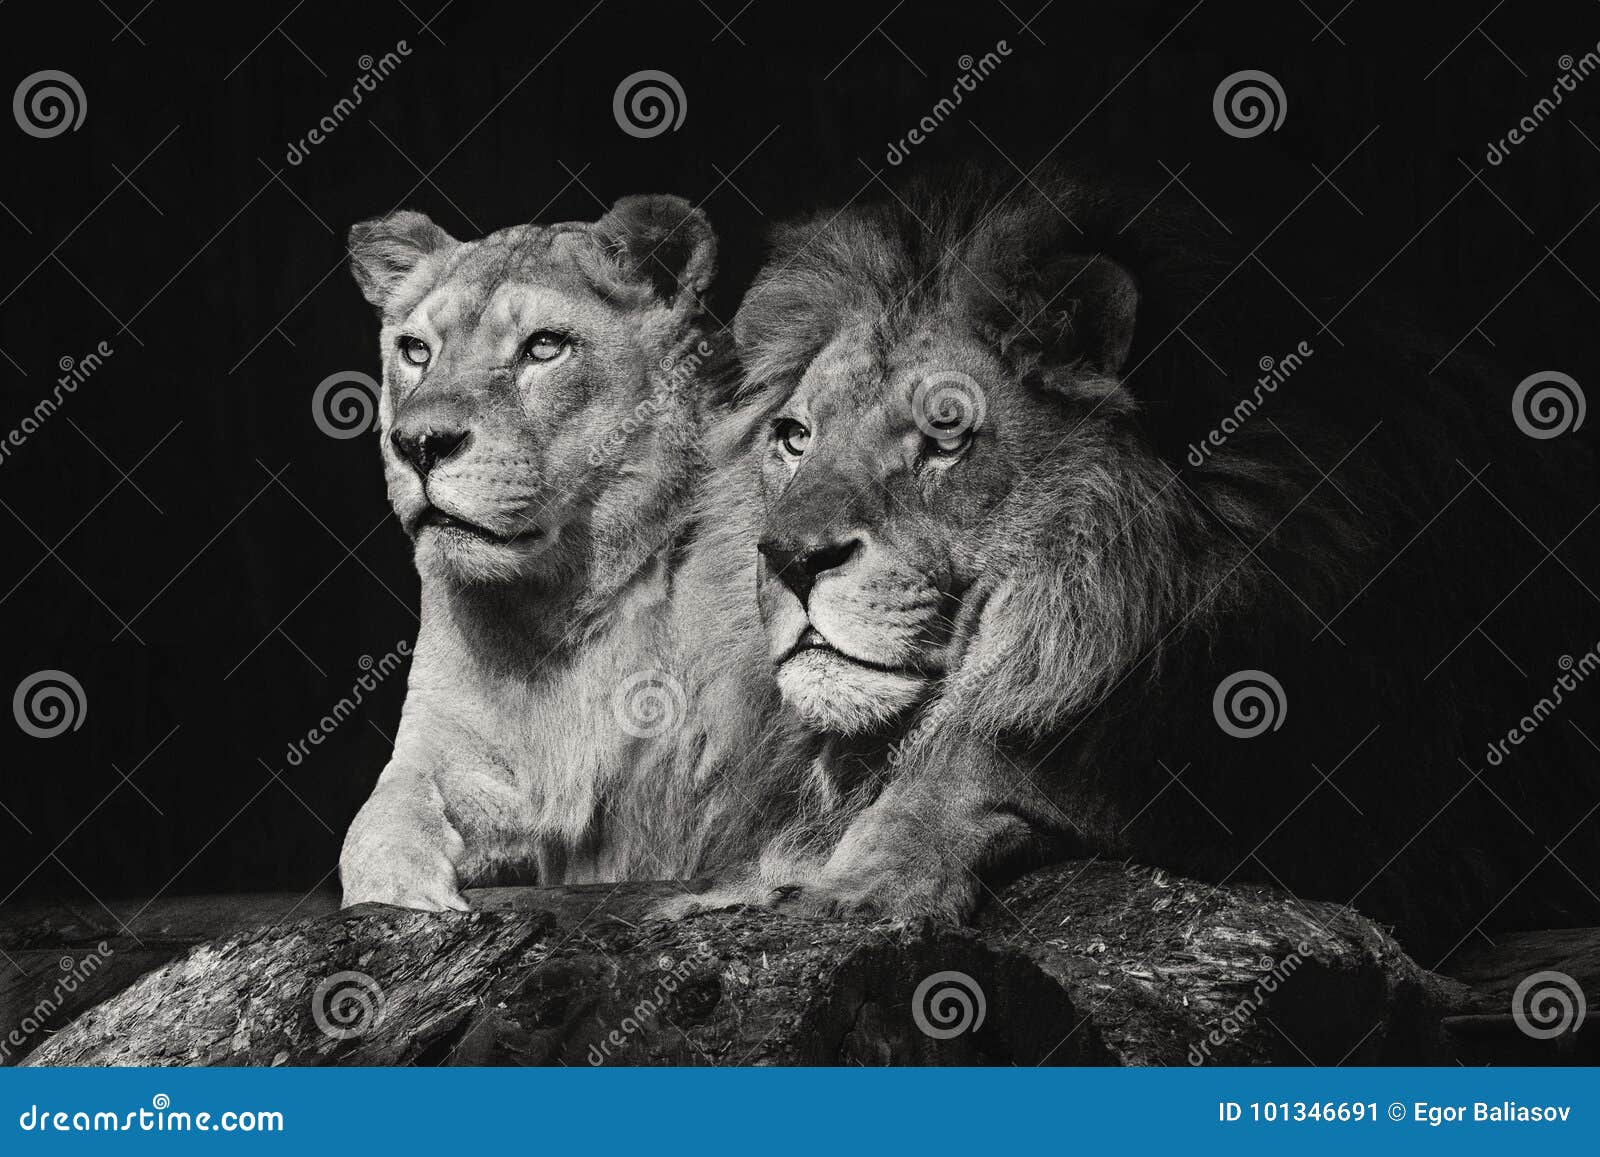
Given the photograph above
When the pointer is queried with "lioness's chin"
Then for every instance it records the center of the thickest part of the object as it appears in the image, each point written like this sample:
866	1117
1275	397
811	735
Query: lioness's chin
473	560
835	694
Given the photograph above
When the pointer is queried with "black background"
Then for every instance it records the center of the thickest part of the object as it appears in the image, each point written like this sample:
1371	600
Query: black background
251	553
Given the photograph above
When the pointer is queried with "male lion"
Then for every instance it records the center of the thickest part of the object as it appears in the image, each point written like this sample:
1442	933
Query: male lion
1032	627
569	714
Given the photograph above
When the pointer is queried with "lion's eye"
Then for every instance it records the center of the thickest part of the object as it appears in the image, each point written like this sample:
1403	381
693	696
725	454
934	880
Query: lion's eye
793	437
414	351
948	447
544	346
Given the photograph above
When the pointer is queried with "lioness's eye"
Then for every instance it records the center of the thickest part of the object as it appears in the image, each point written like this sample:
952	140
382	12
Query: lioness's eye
414	350
792	436
544	346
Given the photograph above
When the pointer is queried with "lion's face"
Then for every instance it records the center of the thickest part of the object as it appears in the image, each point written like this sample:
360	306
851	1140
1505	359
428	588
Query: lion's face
897	449
506	361
880	473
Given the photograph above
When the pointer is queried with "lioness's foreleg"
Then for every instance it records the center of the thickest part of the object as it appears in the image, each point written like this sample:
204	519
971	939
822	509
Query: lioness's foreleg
401	848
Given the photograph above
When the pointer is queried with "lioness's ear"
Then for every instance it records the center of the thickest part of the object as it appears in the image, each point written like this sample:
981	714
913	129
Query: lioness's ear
384	250
1081	308
662	240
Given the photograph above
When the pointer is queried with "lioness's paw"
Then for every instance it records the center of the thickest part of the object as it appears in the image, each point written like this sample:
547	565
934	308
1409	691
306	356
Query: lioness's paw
423	899
427	883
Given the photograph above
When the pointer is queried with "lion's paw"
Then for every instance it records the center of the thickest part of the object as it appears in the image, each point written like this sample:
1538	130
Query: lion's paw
830	901
716	899
887	897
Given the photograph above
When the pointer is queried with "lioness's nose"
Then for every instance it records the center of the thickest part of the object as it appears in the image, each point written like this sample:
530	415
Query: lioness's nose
798	565
426	448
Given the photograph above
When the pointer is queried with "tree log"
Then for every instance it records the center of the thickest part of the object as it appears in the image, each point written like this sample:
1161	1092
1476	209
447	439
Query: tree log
1081	963
1173	971
60	960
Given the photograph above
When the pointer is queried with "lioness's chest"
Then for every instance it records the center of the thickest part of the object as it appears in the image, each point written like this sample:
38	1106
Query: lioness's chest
576	741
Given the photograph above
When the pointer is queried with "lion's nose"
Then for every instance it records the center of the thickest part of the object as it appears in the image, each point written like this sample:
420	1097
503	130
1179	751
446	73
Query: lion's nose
799	565
426	448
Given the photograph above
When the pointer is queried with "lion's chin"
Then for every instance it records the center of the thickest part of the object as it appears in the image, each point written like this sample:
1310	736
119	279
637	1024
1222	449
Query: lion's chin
838	695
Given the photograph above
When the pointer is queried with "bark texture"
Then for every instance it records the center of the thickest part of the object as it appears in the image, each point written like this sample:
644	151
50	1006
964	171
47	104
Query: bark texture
1081	963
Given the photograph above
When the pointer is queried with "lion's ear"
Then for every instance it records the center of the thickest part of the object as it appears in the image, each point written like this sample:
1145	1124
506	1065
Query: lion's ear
1082	309
385	250
661	240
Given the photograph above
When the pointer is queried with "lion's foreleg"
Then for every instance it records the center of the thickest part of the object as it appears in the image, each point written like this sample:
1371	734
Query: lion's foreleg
928	844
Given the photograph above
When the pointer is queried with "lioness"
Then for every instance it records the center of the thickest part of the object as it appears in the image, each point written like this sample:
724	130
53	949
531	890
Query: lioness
990	571
569	715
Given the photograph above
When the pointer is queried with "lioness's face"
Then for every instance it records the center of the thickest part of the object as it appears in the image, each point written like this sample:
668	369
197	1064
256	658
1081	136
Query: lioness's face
505	362
495	384
879	473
